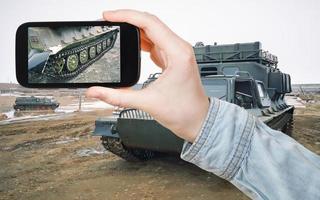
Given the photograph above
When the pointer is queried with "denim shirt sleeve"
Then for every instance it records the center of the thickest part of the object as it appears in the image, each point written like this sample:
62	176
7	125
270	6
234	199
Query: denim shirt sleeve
261	162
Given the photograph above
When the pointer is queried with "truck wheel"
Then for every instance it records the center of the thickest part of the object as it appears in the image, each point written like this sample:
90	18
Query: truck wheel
115	146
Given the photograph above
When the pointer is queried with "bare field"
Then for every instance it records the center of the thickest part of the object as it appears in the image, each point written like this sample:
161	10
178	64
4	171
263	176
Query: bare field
59	159
307	127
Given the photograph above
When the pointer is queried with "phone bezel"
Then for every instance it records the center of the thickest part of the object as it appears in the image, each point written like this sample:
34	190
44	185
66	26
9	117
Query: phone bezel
129	54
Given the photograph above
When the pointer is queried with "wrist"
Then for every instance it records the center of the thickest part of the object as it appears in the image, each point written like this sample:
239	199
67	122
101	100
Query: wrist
198	120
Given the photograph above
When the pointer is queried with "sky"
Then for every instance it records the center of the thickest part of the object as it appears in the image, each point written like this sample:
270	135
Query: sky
289	29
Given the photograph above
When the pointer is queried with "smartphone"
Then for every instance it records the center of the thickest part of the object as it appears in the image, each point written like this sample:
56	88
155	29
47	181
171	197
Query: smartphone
77	54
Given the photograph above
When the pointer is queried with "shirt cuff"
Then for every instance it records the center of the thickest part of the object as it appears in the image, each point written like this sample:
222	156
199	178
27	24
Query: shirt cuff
223	141
190	150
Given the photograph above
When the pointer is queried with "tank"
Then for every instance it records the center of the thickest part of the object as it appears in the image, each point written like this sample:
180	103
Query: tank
241	74
34	103
62	53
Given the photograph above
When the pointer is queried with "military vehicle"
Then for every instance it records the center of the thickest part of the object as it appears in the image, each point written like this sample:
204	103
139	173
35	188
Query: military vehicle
242	74
63	53
34	103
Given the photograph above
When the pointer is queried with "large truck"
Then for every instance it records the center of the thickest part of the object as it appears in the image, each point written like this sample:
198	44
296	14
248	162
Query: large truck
241	73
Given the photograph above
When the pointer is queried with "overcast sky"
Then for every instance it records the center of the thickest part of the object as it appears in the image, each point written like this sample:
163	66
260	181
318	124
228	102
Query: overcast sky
289	29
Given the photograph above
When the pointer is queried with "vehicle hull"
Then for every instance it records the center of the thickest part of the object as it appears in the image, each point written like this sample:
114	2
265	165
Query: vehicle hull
148	134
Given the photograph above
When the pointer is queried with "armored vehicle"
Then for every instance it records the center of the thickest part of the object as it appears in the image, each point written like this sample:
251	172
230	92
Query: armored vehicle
34	103
63	53
242	74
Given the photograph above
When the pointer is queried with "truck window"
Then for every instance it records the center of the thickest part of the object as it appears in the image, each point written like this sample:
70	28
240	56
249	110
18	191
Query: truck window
261	90
243	94
216	88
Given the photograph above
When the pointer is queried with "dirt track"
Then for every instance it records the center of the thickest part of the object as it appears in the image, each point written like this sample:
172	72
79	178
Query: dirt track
59	159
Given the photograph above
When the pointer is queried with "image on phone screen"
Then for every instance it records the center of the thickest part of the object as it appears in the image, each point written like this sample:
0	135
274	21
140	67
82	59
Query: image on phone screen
74	54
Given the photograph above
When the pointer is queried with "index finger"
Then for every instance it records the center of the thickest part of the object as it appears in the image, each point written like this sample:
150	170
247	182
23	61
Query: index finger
156	30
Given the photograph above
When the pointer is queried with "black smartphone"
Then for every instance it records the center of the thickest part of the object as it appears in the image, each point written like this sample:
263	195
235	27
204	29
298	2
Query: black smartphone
77	54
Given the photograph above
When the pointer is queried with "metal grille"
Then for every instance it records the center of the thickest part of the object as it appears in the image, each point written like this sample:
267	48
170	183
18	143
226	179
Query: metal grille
235	56
135	114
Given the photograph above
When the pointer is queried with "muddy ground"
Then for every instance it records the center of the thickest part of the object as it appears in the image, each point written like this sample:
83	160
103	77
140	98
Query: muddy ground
59	159
306	128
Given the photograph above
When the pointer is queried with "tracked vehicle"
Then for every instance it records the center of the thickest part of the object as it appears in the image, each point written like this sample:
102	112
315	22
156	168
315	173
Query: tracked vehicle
62	53
242	74
34	103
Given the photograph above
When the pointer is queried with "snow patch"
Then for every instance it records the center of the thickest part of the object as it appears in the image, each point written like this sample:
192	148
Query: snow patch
89	152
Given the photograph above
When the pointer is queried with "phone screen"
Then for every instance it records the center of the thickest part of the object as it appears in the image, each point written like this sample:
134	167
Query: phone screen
74	54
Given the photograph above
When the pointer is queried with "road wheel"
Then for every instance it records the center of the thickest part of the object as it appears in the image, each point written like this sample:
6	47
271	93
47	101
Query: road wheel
115	146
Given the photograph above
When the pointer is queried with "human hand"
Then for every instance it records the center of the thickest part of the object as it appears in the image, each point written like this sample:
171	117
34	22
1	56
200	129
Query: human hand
176	99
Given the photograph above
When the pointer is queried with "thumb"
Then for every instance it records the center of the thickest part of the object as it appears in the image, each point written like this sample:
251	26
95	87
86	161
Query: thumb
124	97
